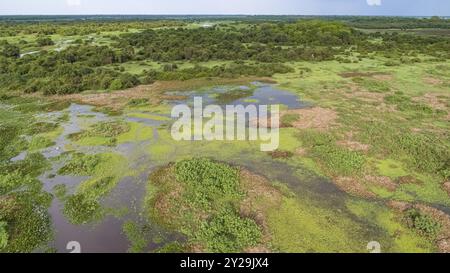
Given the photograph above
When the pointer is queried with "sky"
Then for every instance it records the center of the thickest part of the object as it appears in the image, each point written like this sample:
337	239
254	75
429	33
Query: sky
298	7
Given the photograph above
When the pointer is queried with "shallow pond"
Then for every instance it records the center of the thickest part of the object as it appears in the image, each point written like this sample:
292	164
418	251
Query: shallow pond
141	157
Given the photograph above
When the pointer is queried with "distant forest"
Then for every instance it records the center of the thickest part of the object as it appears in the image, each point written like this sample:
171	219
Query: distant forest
84	65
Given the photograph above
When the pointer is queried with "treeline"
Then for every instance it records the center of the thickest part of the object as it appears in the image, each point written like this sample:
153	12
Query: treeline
395	44
70	28
72	70
171	72
82	68
86	66
397	22
310	40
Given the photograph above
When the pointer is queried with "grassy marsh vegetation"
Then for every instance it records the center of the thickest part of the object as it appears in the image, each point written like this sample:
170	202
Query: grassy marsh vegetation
377	127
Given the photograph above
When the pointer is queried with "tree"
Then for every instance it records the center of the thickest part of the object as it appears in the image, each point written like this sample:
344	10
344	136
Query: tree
10	51
44	41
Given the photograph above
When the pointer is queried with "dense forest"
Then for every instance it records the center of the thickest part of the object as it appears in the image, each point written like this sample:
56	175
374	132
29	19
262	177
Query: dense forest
86	65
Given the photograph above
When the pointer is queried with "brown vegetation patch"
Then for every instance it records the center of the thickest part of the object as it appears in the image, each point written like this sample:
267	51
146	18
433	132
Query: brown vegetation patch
446	187
354	145
399	206
301	152
154	92
432	81
443	238
382	181
173	97
257	249
167	195
432	100
313	118
281	154
377	75
349	143
353	186
352	91
408	179
260	197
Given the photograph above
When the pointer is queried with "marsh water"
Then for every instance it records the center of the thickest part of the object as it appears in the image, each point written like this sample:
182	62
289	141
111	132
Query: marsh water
126	199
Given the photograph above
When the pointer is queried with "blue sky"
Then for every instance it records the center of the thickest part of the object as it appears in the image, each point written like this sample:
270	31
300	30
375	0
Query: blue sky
303	7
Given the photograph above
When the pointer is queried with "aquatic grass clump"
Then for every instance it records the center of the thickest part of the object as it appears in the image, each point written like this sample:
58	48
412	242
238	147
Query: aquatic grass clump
406	104
81	209
227	232
288	120
41	127
103	133
207	181
422	152
335	159
372	85
24	205
136	236
80	164
84	206
200	198
395	236
233	95
27	221
39	143
15	180
425	225
33	165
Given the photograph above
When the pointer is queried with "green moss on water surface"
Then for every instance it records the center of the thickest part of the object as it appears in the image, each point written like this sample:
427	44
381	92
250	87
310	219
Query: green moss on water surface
105	171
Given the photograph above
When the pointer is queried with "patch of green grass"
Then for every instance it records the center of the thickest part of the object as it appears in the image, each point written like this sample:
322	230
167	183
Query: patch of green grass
288	120
425	225
372	85
233	95
136	237
80	164
105	170
335	159
299	226
24	205
227	232
396	236
138	102
104	133
391	168
39	143
206	206
207	181
149	116
80	209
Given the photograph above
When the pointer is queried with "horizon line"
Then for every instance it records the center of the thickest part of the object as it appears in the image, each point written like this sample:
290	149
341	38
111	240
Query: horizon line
218	14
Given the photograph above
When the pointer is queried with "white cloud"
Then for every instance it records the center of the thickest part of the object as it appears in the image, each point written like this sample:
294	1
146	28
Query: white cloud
374	2
73	3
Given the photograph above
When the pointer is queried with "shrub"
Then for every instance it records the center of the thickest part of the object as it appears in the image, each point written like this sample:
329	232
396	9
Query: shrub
288	120
423	224
80	164
44	41
80	209
336	160
227	232
372	85
207	180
